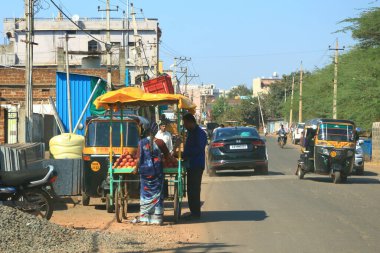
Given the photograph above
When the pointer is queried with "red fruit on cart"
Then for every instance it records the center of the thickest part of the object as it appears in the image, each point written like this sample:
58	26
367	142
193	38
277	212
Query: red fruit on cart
125	160
128	164
132	164
128	156
131	160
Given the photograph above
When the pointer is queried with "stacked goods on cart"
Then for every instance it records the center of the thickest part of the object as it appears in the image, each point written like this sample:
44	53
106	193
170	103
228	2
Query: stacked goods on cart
126	160
170	162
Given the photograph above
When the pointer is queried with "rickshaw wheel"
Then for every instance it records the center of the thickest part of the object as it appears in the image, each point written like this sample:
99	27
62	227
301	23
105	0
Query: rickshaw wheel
337	177
300	173
125	202
109	208
177	205
118	205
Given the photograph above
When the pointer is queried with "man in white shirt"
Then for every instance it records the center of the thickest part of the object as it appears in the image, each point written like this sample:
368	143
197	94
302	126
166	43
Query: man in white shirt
165	136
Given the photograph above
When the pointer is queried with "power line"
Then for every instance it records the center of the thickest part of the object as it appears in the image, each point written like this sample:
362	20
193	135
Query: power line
254	55
80	28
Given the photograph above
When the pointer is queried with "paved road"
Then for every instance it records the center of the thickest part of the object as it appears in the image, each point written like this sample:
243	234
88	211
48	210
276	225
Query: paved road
279	213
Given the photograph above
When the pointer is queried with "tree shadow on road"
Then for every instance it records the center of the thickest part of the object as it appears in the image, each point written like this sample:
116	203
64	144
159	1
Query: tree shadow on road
233	215
198	247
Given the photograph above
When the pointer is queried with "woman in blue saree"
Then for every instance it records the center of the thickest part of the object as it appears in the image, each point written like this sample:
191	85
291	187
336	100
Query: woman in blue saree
150	168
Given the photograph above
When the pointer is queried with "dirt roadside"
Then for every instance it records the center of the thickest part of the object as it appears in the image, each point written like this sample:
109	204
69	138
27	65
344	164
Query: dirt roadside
167	238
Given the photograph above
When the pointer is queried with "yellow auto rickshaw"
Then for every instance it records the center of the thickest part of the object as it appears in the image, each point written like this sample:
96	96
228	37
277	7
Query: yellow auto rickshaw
328	148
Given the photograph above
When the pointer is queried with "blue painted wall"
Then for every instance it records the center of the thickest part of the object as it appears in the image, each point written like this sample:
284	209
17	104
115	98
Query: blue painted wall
80	86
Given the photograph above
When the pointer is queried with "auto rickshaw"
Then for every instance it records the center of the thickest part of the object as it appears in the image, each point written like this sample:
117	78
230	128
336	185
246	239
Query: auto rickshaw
96	153
328	148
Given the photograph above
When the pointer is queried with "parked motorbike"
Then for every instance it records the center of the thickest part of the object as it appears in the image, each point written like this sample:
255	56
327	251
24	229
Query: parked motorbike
30	191
282	140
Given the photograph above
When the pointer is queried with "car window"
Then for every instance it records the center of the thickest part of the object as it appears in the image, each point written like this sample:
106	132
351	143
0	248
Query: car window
228	133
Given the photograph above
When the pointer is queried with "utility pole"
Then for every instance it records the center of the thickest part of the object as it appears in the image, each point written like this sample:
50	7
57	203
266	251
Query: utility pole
174	77
108	41
300	100
29	16
335	77
177	62
189	80
261	112
291	105
68	89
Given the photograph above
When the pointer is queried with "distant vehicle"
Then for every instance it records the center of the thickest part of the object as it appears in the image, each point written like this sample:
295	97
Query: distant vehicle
236	148
297	133
232	123
359	159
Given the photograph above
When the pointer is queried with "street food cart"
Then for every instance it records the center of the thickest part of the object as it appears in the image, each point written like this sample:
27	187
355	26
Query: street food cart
119	176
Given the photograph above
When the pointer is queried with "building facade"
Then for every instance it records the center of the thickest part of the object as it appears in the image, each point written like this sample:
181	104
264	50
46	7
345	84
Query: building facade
262	85
87	44
86	56
203	96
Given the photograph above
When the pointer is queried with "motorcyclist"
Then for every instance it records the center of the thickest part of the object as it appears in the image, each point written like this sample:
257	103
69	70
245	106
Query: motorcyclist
282	131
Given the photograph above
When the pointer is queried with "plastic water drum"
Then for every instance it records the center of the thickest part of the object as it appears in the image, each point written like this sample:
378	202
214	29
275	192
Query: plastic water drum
67	146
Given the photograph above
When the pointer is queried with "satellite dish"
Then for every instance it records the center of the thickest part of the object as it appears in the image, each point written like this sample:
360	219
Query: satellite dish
275	74
75	18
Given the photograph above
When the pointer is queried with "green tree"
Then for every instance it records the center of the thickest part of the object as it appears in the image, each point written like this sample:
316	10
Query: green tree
365	28
240	90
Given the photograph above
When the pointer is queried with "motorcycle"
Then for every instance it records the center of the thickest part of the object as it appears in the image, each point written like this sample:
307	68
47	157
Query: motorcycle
282	140
29	191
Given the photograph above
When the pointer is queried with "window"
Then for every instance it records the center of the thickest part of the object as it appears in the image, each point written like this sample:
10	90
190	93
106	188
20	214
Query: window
93	46
230	133
98	134
335	132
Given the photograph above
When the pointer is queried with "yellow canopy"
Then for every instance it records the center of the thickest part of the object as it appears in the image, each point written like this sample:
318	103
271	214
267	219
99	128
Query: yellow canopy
133	96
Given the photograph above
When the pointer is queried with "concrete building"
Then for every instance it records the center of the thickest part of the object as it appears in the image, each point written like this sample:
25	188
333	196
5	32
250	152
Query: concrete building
84	50
262	85
203	96
86	56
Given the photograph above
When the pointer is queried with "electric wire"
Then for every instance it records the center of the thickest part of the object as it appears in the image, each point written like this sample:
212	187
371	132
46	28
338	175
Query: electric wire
80	28
255	55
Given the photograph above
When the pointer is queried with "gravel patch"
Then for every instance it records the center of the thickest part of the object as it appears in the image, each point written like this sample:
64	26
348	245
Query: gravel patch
21	232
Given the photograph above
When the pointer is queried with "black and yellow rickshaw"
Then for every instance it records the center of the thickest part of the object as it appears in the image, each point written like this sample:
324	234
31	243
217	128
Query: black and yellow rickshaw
97	149
328	148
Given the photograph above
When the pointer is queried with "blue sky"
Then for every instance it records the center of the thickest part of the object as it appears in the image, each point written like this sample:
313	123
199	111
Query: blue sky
232	42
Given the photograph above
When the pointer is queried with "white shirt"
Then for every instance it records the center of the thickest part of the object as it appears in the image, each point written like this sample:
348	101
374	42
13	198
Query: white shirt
167	138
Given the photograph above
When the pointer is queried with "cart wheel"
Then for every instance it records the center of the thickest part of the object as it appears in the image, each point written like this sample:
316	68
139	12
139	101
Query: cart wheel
85	199
124	213
109	207
118	205
177	205
337	177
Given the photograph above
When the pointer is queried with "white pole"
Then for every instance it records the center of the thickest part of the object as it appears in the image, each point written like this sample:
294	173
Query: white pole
68	85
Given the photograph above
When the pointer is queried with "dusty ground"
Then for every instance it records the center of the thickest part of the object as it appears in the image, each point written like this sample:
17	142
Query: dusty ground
169	237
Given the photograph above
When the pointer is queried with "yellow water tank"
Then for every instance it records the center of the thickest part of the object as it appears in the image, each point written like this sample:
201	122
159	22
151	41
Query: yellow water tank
67	146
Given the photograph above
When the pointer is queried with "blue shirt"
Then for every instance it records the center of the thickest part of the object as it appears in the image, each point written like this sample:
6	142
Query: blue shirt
195	148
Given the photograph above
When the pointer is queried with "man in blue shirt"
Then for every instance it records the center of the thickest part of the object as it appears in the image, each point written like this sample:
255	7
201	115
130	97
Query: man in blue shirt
194	153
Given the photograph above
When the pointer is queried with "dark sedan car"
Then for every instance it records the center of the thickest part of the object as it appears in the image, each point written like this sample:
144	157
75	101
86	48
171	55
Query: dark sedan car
236	148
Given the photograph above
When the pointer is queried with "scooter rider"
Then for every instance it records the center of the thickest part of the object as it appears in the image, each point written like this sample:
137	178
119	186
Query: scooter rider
282	131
